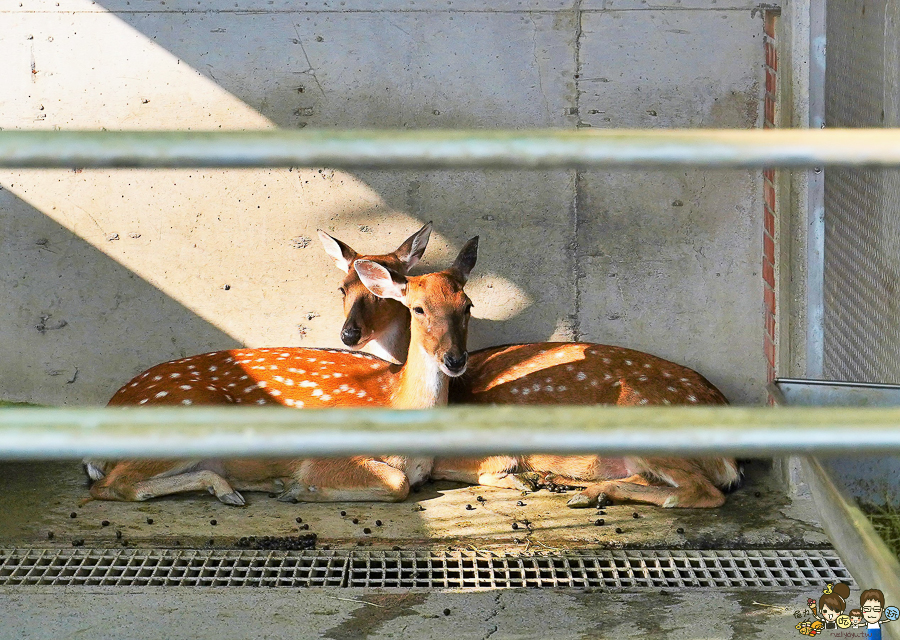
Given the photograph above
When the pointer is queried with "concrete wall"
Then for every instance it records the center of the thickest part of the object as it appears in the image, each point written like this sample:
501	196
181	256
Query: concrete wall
105	273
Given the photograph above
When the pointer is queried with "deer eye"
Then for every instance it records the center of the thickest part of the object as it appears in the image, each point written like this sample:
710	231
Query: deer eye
343	291
419	311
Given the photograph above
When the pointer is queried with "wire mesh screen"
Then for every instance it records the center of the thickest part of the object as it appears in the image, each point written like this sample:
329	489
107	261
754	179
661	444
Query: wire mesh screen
862	226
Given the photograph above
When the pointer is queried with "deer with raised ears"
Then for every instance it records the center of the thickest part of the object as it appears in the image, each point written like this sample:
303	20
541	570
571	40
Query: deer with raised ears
582	374
380	325
312	378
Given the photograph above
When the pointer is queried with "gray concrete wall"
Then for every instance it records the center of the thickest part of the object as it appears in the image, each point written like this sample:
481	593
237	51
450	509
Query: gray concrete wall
105	273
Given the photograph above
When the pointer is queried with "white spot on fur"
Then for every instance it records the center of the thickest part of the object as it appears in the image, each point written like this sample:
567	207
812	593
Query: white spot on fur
692	399
308	384
361	394
261	401
274	392
186	387
175	375
157	377
514	391
186	402
325	398
561	387
581	375
548	388
162	394
642	378
144	401
526	391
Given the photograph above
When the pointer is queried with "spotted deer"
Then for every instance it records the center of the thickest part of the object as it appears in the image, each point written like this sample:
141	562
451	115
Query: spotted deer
377	324
311	378
566	373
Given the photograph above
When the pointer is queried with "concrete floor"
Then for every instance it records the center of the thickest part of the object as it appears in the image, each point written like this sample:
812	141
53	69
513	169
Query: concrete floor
38	499
171	613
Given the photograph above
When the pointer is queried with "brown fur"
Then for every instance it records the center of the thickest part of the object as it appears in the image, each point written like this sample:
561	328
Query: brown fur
299	377
578	373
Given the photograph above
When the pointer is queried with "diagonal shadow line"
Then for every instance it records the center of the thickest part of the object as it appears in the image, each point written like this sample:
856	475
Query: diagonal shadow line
59	356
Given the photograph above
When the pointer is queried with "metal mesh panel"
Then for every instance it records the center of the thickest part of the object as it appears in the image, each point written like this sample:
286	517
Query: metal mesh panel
862	231
411	569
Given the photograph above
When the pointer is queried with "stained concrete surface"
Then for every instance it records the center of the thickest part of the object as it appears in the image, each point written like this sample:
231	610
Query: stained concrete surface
36	499
173	613
39	498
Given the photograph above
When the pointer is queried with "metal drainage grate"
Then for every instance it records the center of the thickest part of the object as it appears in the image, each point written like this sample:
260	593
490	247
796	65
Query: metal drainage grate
461	569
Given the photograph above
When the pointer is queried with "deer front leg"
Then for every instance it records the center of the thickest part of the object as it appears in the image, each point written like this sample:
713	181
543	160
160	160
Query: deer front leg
346	480
598	493
495	471
135	482
689	492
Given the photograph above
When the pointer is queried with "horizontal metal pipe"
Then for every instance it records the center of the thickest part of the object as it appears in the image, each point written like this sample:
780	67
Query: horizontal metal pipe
202	431
456	149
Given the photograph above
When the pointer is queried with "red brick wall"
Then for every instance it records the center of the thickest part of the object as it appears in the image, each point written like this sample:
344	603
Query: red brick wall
769	194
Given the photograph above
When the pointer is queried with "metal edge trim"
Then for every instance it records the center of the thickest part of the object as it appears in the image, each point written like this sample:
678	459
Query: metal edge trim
861	549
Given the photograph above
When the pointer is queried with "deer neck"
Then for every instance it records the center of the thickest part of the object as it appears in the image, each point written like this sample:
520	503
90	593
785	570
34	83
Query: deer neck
393	344
421	384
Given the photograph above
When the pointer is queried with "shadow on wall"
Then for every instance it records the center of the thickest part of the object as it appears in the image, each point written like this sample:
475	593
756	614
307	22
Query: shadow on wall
189	235
58	290
328	68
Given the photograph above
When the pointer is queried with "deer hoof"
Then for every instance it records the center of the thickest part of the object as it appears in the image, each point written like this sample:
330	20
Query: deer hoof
580	501
290	494
528	481
234	498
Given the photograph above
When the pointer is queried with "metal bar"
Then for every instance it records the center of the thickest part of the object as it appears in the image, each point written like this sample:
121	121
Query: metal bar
202	431
444	149
860	547
815	214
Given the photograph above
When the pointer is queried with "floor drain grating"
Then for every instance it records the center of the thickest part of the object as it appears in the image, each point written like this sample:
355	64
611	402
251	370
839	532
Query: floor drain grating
409	569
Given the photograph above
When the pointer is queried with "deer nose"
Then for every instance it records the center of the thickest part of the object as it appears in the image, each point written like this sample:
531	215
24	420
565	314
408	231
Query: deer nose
456	363
350	336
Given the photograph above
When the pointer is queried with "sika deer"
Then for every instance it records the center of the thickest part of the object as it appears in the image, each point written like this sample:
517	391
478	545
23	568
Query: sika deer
318	378
571	373
379	324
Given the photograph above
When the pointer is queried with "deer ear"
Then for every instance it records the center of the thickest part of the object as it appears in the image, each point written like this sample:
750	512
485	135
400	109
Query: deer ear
465	261
380	281
410	252
342	254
